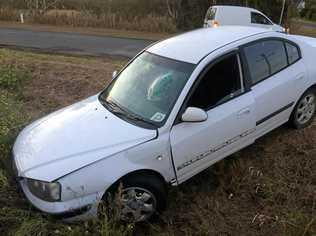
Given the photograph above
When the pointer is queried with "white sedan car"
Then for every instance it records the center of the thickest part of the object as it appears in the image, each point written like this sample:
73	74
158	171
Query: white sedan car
177	108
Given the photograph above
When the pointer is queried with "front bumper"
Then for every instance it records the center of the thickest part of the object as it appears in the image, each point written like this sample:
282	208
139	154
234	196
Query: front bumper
76	209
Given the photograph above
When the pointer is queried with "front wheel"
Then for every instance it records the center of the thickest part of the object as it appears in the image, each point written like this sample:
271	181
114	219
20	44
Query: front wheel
304	111
137	198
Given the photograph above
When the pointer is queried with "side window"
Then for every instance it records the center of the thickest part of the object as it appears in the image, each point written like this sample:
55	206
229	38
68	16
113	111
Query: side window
257	18
265	58
292	52
220	83
210	15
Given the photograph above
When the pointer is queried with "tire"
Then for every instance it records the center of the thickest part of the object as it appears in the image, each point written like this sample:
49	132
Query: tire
305	107
137	198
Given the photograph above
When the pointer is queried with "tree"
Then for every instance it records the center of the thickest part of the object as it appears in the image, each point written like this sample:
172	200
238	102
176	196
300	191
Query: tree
173	8
310	10
190	14
41	6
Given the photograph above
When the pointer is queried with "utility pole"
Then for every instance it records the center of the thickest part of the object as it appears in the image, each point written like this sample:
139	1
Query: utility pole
282	12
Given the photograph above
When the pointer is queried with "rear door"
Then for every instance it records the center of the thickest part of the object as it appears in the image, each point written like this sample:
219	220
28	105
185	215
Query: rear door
276	74
230	107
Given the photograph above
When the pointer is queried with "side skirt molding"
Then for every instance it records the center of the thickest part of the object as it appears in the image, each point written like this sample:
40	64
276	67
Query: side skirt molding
274	114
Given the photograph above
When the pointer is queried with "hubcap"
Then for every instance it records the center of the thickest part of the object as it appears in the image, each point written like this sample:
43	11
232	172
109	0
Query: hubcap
305	109
138	204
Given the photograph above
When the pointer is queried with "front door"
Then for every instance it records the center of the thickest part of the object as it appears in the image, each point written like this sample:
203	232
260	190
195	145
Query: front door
230	124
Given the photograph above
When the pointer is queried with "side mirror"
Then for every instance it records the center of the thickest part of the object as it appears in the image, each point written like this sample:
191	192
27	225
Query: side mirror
114	74
194	114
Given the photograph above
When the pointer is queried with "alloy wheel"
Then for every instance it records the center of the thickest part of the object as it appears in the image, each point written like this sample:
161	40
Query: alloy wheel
305	109
138	204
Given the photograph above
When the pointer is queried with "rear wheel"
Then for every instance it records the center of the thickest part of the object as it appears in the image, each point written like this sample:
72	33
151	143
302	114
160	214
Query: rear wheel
137	198
304	111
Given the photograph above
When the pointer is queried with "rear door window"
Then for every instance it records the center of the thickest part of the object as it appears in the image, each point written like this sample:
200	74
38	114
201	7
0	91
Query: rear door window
293	53
210	15
265	58
257	18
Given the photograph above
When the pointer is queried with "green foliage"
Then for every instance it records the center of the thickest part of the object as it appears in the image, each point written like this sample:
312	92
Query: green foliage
11	119
309	12
113	226
11	77
3	180
32	226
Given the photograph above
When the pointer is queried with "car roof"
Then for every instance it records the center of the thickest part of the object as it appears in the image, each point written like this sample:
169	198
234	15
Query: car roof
193	46
235	7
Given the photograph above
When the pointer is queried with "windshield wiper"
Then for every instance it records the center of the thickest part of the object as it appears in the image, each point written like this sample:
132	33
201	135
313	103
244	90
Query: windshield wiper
138	118
114	106
117	109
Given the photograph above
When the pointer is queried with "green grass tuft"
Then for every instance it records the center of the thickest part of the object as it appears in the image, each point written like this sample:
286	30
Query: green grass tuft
11	77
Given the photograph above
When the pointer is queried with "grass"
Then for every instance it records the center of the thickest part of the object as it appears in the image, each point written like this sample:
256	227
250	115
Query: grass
268	188
297	28
16	75
306	32
305	20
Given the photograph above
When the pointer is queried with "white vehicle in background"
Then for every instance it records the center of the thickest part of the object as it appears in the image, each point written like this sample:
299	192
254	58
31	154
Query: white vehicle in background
244	16
177	108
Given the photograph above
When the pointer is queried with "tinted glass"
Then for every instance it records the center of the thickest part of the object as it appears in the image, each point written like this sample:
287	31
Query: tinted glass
257	18
148	87
293	53
210	15
221	83
265	58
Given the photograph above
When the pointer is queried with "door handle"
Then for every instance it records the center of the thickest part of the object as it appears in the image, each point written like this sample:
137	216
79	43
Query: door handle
243	112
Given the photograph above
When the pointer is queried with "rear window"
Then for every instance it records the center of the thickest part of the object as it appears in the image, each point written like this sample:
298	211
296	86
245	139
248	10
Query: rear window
265	58
210	15
293	53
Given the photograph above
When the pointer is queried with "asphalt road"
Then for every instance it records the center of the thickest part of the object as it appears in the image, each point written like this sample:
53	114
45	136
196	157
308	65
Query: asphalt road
76	43
309	25
71	43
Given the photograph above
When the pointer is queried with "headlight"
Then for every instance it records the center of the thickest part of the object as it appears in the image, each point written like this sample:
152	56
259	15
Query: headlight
46	191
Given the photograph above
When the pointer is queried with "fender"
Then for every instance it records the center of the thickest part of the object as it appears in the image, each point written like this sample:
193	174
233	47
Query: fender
153	155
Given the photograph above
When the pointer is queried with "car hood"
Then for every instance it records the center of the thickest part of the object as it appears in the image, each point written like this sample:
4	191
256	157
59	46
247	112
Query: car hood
72	138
